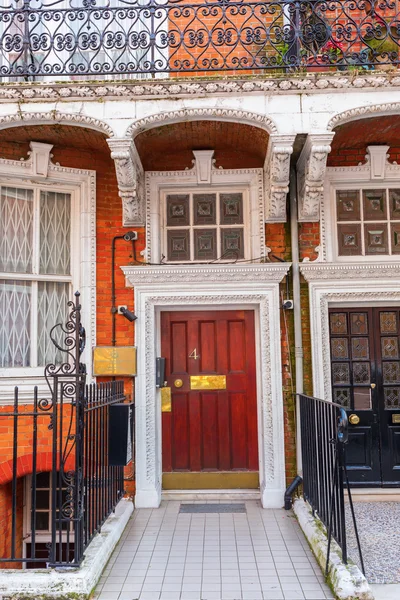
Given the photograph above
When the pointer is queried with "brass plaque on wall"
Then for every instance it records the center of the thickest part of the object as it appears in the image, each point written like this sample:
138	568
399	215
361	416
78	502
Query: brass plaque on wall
396	419
208	382
165	399
114	360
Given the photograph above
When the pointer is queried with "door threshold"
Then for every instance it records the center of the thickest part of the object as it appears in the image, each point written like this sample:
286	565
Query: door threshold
374	495
204	495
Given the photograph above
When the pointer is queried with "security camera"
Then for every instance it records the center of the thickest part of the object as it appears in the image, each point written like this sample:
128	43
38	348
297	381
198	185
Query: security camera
130	236
287	304
128	314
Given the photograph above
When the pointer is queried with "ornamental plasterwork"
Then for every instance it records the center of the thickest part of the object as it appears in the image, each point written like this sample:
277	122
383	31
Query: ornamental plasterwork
130	177
346	271
319	311
154	180
364	112
55	117
227	114
318	82
269	401
276	176
262	273
376	166
311	168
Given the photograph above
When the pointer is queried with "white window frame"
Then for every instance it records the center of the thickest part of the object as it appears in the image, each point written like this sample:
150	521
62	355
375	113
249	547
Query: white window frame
164	192
35	276
248	181
352	178
38	172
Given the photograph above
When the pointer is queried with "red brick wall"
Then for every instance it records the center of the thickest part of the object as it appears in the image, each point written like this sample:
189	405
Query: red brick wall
108	224
5	524
309	239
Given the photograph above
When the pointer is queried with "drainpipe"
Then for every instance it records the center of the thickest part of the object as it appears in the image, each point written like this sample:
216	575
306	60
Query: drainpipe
298	337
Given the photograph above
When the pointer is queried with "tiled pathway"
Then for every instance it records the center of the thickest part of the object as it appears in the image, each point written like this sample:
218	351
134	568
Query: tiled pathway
256	555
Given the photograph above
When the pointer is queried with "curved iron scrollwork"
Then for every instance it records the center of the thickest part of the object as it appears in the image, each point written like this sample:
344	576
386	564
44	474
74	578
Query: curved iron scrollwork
68	338
75	38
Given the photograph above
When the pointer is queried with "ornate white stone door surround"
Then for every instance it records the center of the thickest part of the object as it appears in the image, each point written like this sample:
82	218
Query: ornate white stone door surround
188	287
343	285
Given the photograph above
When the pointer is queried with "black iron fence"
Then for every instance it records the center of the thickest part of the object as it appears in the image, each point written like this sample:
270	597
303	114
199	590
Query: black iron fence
131	38
60	443
324	431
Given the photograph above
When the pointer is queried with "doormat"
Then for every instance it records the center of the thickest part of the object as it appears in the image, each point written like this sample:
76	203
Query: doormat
212	508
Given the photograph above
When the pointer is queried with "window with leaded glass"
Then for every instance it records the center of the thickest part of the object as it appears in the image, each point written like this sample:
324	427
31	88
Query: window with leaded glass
202	226
35	272
368	222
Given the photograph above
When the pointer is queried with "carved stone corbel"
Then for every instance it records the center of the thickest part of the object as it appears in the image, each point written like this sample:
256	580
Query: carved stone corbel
39	158
276	176
311	168
130	177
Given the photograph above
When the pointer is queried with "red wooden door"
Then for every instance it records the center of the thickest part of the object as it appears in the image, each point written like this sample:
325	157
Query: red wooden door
210	430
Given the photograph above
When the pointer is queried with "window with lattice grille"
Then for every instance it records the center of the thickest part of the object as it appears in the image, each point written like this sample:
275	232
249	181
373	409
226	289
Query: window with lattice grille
204	226
35	272
368	222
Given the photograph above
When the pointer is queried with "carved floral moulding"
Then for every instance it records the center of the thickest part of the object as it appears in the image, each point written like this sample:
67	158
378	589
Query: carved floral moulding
169	274
318	82
328	271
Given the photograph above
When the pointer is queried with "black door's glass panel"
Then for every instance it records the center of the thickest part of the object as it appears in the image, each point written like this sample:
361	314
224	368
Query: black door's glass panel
359	323
338	323
340	348
362	398
392	397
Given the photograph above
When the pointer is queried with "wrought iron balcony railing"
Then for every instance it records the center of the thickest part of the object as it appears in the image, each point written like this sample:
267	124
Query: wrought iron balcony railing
70	39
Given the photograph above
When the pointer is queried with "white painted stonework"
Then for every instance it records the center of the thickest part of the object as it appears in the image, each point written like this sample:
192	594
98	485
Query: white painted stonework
195	287
316	104
338	285
347	580
250	180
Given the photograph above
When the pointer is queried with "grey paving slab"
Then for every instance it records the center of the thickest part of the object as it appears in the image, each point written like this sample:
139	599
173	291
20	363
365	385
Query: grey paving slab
212	553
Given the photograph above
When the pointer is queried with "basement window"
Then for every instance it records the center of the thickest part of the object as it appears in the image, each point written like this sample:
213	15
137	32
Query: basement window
64	529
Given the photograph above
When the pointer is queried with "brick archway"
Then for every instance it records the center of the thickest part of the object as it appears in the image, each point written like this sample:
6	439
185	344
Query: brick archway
44	462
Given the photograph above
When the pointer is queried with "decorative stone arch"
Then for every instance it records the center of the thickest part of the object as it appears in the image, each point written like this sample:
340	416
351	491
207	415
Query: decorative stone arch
196	114
130	172
55	117
363	112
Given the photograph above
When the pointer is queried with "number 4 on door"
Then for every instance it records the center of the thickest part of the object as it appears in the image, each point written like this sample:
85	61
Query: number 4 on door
194	354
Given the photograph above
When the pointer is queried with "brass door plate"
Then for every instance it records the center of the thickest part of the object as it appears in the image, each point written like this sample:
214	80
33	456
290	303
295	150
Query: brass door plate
396	419
114	360
165	399
208	382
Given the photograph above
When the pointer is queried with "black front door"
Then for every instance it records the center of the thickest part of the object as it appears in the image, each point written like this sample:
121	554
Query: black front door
365	361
